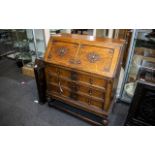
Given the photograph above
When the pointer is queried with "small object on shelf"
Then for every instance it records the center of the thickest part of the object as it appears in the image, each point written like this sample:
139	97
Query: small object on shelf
147	71
23	58
130	88
142	35
31	40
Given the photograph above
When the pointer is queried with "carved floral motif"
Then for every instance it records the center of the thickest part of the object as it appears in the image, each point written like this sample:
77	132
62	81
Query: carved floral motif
93	57
62	51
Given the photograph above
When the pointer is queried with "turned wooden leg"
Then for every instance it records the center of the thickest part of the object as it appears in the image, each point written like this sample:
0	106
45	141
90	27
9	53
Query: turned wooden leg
105	122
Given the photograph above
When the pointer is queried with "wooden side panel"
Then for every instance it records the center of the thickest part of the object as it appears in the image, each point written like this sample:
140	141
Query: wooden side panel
108	96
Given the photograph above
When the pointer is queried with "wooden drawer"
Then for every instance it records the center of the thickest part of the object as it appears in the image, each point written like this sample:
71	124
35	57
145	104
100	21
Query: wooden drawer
83	99
52	70
77	76
77	87
87	78
91	101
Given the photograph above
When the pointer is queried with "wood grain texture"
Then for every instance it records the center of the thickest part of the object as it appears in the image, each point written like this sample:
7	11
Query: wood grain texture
83	71
77	50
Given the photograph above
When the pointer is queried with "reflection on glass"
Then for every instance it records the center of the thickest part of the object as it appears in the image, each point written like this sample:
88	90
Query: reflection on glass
142	66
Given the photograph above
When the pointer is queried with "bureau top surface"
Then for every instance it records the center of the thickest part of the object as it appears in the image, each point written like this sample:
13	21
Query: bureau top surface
99	56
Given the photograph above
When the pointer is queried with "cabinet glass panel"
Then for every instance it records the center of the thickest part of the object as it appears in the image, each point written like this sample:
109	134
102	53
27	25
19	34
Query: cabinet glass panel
142	63
22	53
6	42
23	45
38	35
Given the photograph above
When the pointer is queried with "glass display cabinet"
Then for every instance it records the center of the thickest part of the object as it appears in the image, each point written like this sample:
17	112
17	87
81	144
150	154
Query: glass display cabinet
36	42
140	63
23	45
22	53
36	45
6	42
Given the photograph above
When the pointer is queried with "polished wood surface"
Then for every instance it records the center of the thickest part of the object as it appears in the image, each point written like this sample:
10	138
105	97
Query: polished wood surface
83	71
94	55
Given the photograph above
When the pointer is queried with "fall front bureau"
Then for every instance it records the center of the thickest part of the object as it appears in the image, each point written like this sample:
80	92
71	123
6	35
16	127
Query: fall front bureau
83	72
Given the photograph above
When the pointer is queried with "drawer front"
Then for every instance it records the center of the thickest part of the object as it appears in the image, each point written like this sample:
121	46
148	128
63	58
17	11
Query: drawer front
95	81
63	92
52	70
91	101
76	87
77	76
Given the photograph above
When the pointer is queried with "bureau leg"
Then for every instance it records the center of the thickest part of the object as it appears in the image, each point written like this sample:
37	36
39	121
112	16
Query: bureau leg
105	122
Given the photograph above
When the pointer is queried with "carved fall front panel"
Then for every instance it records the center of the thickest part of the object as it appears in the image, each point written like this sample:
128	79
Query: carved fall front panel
62	52
96	58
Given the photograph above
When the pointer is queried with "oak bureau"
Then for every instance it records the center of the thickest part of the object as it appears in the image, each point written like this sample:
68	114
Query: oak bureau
82	71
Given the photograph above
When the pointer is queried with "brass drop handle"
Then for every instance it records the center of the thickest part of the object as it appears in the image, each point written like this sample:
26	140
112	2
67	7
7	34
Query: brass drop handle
58	72
61	90
91	81
90	91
